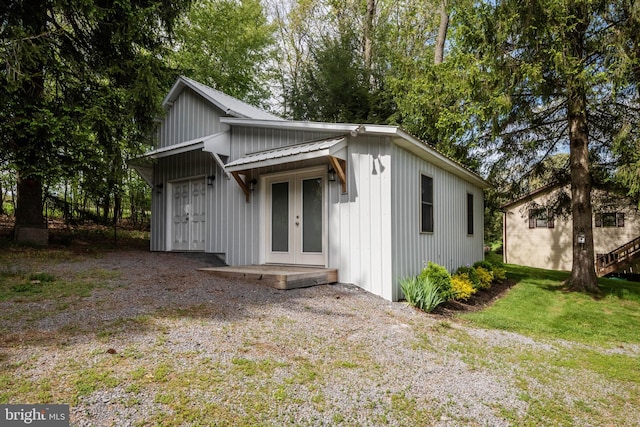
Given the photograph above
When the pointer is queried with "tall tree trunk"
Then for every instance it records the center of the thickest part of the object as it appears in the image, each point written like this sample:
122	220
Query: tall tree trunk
583	274
29	202
442	33
368	34
1	200
29	212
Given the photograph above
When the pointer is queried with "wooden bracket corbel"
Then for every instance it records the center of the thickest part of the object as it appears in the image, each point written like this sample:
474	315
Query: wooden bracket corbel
340	166
243	185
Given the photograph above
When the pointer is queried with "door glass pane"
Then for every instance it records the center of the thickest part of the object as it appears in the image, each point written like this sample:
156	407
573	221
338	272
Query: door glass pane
280	217
312	215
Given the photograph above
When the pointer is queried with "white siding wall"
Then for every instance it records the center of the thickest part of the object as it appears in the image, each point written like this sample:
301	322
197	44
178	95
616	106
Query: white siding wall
373	229
193	164
359	221
188	118
448	245
235	224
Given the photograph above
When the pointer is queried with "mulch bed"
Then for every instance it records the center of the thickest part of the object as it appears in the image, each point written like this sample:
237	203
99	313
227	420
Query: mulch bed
477	302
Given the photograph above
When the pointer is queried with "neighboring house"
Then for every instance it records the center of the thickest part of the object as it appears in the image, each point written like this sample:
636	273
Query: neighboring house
371	201
535	237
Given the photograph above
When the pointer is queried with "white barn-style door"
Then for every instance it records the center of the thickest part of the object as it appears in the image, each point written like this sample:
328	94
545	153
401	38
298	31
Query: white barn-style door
188	217
295	219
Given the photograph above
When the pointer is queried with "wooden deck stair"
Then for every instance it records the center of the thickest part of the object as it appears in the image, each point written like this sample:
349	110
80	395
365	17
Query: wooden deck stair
618	258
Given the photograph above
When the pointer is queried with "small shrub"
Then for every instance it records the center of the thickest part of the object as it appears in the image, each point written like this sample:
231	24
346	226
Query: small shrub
485	277
421	293
462	287
440	278
473	275
499	273
484	264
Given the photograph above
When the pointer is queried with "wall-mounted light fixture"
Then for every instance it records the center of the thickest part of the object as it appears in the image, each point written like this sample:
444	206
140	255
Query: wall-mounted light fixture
355	132
159	188
210	179
331	174
252	184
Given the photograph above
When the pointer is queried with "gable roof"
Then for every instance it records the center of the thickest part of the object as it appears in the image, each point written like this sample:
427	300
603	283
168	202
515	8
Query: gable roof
530	196
556	185
228	104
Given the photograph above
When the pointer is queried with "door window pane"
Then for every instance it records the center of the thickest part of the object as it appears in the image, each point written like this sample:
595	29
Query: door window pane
312	215
280	217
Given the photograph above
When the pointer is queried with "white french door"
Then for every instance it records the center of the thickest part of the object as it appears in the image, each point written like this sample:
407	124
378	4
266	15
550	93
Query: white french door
188	215
295	228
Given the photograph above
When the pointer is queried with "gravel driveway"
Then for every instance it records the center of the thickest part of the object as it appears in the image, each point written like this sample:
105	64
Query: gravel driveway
160	343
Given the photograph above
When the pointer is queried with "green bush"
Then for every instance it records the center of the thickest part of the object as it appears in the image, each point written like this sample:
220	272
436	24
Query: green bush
421	293
462	287
487	265
473	275
485	277
499	274
495	267
440	278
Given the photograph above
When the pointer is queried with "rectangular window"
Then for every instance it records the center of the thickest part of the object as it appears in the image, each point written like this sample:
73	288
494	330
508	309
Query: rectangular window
609	219
469	213
540	218
426	204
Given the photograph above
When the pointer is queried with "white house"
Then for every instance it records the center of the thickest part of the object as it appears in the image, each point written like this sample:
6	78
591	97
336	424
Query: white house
371	201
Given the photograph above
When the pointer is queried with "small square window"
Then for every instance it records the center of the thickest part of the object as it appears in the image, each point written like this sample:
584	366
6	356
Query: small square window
540	218
609	219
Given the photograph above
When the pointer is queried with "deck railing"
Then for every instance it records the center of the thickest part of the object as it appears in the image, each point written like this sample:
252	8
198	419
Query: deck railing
618	258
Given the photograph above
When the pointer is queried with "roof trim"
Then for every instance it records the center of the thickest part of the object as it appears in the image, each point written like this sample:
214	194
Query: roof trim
399	136
183	147
532	195
289	154
226	103
216	142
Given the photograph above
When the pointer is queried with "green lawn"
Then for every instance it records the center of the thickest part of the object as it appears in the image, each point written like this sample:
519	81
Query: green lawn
590	371
539	306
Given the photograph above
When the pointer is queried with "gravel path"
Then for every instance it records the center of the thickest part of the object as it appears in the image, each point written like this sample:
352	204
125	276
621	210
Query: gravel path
169	345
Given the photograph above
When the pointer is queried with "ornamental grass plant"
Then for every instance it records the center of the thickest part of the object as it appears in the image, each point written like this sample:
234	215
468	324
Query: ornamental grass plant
421	293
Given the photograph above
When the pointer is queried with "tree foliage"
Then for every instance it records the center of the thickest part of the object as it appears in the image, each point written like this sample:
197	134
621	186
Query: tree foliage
80	84
227	45
561	66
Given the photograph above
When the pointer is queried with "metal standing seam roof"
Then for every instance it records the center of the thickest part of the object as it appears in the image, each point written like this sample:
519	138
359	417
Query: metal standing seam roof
308	150
230	105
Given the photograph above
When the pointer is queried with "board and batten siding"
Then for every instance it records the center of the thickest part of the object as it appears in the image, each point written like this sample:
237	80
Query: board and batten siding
189	165
189	117
235	224
449	244
359	220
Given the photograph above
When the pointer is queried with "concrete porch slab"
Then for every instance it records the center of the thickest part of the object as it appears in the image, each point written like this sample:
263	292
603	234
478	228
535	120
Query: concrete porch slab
278	276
